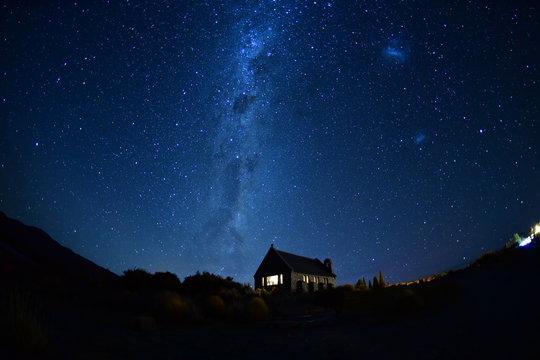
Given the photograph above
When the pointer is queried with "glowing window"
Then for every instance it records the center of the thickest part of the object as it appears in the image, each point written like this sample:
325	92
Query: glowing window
274	280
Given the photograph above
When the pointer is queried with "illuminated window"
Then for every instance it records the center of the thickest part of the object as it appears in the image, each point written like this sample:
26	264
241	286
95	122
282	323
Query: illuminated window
305	278
274	280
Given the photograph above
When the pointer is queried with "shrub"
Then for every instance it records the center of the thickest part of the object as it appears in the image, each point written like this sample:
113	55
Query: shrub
21	326
263	292
214	306
257	309
209	284
278	290
170	306
161	281
233	294
345	288
136	279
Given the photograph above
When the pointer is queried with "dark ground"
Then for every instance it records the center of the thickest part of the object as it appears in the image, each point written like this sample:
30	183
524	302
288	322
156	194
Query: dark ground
496	316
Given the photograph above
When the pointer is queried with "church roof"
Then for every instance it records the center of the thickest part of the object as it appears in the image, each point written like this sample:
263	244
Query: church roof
303	264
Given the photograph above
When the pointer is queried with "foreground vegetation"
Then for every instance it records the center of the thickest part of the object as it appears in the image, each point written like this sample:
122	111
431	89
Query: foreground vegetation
161	298
44	313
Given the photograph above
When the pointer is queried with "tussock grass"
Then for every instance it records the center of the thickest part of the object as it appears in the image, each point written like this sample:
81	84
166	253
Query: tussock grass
21	325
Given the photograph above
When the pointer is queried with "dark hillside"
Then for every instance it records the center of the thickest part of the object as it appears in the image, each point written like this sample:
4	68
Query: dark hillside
29	250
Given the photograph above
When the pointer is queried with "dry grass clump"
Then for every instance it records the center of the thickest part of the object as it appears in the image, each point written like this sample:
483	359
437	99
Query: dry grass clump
215	306
257	310
21	325
172	307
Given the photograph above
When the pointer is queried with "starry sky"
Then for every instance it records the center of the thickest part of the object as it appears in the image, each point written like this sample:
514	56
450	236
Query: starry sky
400	136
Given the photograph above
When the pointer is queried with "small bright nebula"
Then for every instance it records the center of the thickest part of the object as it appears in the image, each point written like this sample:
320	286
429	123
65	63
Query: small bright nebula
396	51
419	138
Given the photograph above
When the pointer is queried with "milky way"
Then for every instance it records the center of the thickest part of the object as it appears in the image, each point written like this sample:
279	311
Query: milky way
237	147
188	136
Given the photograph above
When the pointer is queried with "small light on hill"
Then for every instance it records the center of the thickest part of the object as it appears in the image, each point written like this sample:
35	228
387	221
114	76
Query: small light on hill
534	232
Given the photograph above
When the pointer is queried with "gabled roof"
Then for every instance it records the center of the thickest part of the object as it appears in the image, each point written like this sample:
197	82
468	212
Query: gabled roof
304	264
297	263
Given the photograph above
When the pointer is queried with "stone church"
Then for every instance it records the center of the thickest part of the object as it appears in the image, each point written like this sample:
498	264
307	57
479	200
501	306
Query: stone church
294	272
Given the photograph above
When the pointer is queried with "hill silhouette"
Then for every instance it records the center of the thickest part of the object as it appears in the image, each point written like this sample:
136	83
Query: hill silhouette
29	251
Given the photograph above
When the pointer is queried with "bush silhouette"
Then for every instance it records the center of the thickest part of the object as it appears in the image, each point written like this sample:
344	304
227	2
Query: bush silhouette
140	280
161	281
215	306
346	288
208	284
171	306
136	280
257	309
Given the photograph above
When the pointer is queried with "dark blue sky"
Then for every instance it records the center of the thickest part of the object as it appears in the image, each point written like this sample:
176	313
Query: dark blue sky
190	135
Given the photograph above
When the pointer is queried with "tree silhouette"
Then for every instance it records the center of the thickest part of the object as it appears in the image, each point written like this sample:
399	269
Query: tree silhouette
375	283
361	285
381	280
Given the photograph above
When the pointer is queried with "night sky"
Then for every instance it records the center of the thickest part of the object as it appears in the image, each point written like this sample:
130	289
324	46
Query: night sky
400	136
